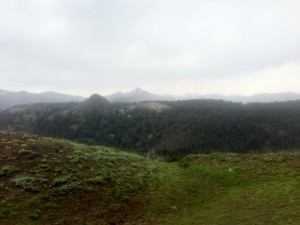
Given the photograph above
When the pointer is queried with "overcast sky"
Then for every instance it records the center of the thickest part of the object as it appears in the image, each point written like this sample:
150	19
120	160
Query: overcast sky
164	46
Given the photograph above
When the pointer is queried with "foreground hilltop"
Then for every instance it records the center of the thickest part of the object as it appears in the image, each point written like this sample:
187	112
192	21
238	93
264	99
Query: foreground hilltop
53	181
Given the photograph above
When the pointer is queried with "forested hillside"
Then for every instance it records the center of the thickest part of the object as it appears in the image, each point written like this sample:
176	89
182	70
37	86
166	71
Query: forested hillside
165	128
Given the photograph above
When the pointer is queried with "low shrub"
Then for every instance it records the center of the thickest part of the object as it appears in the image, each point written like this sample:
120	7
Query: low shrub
8	170
26	183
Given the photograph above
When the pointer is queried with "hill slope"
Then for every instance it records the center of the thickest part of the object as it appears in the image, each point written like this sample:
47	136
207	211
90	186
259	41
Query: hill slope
95	101
52	181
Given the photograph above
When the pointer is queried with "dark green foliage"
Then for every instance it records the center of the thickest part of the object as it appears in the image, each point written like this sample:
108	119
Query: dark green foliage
26	182
96	180
67	188
184	127
8	170
61	180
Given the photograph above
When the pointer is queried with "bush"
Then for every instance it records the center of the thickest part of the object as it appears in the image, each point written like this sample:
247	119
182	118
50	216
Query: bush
8	170
96	180
27	183
61	180
29	154
67	189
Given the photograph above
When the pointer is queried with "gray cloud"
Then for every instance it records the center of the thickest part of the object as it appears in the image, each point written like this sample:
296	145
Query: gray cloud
116	44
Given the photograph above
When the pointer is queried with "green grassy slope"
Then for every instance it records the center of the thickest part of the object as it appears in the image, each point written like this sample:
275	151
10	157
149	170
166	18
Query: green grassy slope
52	181
250	189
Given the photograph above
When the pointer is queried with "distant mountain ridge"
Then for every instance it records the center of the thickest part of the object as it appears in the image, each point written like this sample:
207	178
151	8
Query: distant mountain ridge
139	95
11	98
262	98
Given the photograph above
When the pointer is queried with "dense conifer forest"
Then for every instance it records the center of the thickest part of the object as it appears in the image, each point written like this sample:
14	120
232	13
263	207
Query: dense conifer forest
161	128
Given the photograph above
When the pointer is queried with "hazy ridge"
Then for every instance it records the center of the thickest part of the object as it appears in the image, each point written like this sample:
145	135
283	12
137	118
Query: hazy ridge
10	98
141	95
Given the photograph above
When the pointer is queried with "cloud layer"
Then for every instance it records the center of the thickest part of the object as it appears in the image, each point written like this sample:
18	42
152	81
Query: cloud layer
174	46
